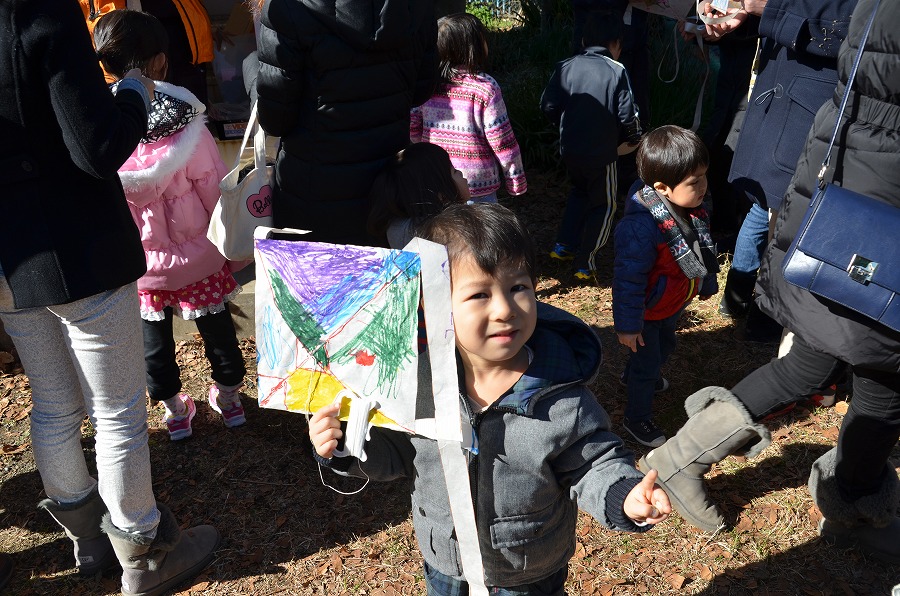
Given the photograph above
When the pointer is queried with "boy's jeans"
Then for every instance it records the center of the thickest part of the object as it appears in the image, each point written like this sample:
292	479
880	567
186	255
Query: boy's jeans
81	358
751	241
643	368
443	585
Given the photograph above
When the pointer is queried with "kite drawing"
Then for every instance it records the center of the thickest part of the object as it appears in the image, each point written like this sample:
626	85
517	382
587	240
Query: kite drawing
338	318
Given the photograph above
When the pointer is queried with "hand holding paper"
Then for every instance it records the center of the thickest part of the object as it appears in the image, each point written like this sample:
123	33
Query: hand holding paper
325	430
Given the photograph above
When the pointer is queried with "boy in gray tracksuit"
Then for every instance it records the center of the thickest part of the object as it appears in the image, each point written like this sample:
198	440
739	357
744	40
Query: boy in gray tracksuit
589	98
544	445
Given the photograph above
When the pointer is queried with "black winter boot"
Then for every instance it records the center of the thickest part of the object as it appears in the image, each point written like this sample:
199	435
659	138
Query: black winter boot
737	294
6	569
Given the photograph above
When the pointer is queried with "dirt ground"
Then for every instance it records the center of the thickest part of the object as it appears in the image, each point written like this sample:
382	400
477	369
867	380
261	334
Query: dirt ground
285	532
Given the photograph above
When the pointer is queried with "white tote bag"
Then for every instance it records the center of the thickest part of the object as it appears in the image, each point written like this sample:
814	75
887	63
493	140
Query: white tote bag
245	203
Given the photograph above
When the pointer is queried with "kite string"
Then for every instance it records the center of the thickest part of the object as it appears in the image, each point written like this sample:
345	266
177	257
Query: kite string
306	409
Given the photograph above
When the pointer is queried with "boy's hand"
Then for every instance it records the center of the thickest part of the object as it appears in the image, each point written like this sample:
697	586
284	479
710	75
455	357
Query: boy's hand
630	340
325	430
647	502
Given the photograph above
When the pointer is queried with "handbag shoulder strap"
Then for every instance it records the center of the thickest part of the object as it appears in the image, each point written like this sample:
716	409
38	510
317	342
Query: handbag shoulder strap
837	125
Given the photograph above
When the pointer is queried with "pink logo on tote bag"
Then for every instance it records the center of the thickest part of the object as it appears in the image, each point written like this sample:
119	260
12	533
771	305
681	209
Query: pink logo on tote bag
260	204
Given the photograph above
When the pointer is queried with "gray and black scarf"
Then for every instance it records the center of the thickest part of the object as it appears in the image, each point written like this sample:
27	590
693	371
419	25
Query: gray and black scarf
688	238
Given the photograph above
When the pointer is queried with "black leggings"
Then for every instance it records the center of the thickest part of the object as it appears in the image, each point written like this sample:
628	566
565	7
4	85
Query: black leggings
871	427
221	346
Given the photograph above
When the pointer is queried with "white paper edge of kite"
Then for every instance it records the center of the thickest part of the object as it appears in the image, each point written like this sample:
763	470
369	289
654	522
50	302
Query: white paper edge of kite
449	423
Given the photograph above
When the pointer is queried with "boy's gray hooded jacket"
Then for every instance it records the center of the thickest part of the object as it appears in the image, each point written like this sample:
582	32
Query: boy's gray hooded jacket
545	449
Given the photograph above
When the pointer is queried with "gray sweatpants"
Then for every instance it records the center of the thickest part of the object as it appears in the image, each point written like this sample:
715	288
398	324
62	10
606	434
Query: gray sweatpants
86	357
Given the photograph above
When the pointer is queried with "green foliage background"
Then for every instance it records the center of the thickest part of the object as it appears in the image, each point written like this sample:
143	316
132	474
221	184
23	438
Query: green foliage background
524	48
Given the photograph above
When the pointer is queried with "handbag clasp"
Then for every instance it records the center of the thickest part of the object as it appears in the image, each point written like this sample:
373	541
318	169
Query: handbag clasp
861	269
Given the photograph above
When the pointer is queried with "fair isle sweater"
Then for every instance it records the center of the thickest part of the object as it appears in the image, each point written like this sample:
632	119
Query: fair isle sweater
469	120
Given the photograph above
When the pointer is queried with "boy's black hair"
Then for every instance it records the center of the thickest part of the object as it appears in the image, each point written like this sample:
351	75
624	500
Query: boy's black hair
602	28
416	183
461	45
669	154
490	233
127	39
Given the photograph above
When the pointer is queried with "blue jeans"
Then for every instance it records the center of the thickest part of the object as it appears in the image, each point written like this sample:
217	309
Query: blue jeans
85	358
491	198
751	241
643	368
443	585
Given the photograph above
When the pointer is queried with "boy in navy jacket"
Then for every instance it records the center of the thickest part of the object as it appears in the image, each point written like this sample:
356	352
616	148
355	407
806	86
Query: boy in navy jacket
664	258
589	97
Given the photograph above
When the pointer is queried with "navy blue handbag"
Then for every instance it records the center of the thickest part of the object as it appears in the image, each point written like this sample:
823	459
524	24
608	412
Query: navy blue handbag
846	248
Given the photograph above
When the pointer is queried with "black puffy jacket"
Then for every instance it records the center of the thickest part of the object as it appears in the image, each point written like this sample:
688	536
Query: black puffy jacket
336	82
865	160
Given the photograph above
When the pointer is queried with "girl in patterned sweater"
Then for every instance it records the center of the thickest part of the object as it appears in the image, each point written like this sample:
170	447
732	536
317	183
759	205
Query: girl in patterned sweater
467	116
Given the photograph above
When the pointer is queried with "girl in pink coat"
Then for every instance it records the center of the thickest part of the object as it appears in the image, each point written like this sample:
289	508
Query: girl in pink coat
171	182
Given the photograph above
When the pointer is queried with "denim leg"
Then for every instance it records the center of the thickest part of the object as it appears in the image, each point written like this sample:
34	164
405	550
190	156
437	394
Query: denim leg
439	584
491	198
222	349
642	371
799	373
751	241
869	432
80	357
163	373
667	337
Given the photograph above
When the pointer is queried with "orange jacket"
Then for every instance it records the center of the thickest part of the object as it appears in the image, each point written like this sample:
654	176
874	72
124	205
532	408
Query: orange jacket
194	15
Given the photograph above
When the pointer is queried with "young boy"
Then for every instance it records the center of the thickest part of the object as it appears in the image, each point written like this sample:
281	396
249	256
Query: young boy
544	445
590	98
664	257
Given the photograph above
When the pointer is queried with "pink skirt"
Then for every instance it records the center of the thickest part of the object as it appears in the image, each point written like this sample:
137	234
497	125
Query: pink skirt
207	296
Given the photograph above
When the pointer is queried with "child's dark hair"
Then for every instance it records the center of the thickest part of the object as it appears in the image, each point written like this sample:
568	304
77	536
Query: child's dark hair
490	233
127	39
669	154
416	183
461	45
602	28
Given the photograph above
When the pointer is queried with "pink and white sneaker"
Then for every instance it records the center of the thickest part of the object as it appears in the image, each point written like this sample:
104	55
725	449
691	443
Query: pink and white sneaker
231	409
180	426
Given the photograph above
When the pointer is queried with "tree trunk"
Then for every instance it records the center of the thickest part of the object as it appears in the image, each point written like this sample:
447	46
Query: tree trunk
444	7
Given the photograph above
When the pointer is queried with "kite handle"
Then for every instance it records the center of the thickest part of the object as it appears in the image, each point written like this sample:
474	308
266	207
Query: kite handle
358	426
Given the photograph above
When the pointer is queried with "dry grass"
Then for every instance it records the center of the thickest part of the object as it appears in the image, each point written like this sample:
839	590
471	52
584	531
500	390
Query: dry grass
285	533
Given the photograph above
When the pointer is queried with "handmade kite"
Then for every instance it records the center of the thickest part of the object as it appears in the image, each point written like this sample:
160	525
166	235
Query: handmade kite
337	321
342	322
